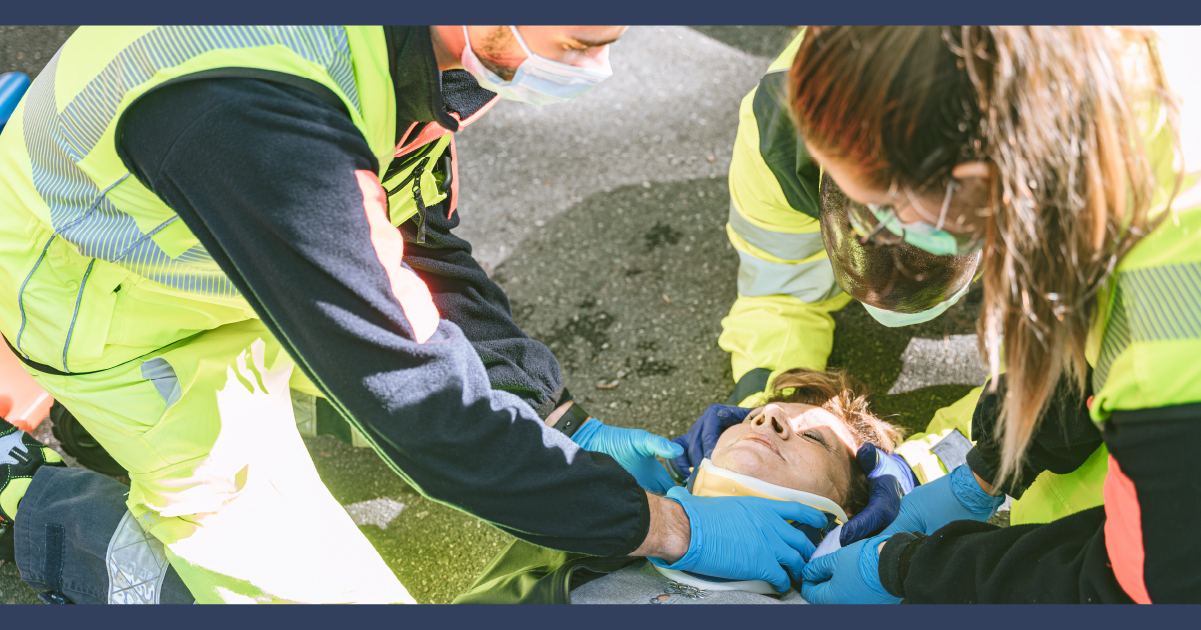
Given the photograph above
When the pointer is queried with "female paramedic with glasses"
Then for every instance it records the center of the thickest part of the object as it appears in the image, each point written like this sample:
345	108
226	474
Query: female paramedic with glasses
1055	152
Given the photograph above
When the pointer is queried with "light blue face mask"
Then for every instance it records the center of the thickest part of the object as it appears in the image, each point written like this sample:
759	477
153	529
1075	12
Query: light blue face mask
892	319
883	227
538	80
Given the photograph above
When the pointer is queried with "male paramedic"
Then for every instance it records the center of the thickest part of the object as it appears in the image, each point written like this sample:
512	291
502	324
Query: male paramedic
198	218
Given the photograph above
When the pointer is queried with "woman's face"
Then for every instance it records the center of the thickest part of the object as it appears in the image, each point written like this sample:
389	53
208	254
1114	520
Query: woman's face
794	445
963	211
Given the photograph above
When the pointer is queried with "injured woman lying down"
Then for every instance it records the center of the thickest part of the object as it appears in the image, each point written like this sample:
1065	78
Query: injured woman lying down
799	446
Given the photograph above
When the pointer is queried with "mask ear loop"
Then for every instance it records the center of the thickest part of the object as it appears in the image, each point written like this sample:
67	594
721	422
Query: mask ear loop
521	41
946	204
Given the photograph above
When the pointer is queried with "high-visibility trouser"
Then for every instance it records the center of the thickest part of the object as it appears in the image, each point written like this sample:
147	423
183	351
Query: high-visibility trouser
1051	497
220	476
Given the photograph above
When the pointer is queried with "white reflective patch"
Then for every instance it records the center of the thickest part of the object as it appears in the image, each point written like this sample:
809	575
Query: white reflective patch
137	564
952	360
12	450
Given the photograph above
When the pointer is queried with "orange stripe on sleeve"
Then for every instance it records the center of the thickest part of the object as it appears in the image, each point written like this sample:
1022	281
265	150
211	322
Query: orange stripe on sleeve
410	291
1124	532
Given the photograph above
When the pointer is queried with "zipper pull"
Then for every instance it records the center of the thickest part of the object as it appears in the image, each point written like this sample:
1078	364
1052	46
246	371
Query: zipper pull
448	174
420	216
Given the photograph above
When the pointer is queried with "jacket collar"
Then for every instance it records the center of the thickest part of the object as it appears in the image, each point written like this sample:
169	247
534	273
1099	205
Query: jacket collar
419	85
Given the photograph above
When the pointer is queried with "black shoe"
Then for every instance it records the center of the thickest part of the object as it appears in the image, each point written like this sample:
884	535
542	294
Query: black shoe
78	443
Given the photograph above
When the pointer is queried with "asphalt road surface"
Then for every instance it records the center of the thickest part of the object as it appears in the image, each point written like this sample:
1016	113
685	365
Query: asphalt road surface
604	219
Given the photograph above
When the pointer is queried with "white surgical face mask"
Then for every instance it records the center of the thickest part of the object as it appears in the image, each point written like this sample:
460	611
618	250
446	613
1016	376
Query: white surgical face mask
538	80
893	319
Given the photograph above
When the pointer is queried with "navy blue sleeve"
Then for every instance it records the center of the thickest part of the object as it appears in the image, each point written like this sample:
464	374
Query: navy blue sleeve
1141	544
465	295
264	176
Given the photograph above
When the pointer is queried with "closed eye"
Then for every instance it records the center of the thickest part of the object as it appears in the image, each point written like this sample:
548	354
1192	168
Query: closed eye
816	436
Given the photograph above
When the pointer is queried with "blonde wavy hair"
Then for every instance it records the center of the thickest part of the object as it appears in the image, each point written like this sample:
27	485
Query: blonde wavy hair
1055	113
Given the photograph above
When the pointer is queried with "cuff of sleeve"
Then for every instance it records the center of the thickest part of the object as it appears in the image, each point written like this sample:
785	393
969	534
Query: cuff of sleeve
553	401
979	462
643	526
895	558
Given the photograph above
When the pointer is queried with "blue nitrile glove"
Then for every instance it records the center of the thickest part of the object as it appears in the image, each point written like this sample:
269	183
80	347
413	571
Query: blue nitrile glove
953	497
13	86
745	538
634	449
882	507
850	575
698	443
889	478
876	462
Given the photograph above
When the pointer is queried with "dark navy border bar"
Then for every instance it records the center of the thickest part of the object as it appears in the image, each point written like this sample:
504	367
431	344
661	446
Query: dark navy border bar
604	617
597	11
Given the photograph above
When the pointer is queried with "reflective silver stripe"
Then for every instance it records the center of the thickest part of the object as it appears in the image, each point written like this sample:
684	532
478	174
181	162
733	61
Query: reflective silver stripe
304	407
1161	303
809	282
56	142
137	564
162	374
75	314
782	245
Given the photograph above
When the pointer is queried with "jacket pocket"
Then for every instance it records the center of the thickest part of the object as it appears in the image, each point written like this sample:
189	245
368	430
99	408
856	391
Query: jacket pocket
90	318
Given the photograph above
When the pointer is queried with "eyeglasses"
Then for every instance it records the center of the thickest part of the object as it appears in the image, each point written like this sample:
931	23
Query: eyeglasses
880	225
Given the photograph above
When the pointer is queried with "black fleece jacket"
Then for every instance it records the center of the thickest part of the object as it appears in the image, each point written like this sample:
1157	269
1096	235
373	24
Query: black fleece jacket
263	173
1068	561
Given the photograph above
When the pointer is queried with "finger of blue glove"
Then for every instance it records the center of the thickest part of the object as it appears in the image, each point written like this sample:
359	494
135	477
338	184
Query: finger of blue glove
652	476
714	422
652	445
951	497
779	577
799	512
847	576
875	463
898	467
791	559
882	508
820	569
868	458
678	467
817	592
702	436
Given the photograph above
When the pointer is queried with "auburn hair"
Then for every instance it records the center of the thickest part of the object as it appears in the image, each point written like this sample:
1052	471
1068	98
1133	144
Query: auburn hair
1055	113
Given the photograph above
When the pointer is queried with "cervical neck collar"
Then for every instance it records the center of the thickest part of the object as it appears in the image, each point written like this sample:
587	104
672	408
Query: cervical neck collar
710	480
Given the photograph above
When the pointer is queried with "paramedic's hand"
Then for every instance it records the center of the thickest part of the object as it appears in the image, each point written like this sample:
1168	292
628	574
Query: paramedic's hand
850	575
745	538
876	463
698	443
889	478
634	449
953	497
